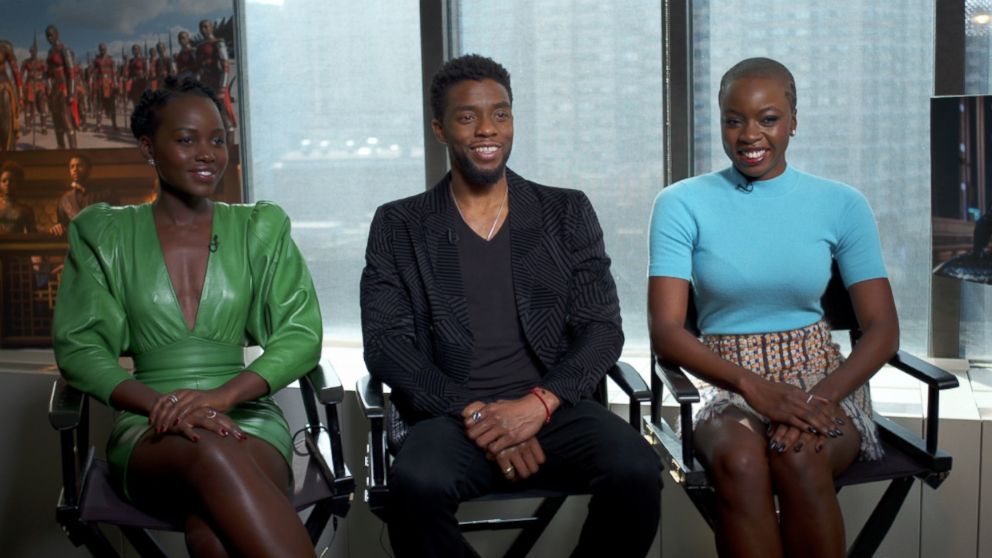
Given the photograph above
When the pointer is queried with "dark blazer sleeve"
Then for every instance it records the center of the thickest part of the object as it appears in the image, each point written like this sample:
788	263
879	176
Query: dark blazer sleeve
592	323
392	352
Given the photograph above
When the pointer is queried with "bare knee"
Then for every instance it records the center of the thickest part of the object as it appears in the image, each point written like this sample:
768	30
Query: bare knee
806	470
202	540
740	466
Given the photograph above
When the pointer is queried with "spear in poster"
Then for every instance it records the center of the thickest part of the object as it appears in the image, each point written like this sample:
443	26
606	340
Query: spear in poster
41	117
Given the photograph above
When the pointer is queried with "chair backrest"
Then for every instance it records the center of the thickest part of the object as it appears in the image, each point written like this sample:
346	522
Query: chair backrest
836	303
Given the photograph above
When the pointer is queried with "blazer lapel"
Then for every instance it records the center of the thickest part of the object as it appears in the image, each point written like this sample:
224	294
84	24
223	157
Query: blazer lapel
525	237
437	257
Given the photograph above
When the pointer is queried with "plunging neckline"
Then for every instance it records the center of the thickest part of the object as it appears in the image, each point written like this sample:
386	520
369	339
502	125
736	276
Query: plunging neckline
168	275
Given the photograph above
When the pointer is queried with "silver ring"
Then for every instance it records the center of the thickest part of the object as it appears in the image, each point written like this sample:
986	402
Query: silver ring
477	416
509	471
173	399
810	398
211	413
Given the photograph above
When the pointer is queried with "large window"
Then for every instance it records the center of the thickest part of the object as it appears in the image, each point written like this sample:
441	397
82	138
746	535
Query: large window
976	299
864	73
587	91
336	130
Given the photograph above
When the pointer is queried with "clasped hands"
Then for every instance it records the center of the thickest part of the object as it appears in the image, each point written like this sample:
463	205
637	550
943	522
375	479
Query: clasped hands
506	430
798	418
184	410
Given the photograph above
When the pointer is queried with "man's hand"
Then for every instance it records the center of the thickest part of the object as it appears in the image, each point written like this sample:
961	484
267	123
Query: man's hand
504	423
519	461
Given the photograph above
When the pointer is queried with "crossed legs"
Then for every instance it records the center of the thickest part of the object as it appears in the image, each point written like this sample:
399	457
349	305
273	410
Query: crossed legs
231	495
746	474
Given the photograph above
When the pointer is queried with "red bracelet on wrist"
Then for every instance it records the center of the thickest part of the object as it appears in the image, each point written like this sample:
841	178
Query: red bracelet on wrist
547	410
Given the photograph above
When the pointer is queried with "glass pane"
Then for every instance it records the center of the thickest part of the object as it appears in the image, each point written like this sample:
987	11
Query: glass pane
336	130
976	299
864	73
587	88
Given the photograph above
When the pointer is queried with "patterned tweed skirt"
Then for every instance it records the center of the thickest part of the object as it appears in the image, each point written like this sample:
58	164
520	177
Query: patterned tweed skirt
800	357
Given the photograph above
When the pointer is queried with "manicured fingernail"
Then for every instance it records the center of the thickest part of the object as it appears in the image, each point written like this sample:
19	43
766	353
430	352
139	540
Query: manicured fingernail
224	432
840	421
240	436
781	448
771	445
798	446
812	430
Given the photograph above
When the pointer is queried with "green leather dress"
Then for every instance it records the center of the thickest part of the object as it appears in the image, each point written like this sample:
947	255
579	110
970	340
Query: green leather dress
116	298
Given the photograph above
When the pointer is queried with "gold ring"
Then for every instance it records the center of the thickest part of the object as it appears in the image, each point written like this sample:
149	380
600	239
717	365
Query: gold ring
509	471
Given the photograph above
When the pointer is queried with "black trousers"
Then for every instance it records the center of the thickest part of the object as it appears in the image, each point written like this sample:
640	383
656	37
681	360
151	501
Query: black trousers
588	449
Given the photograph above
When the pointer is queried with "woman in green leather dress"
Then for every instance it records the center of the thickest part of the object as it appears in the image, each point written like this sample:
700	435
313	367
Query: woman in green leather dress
182	285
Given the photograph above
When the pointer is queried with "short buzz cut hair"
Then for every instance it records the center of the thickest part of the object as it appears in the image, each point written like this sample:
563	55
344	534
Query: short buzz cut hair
464	68
760	67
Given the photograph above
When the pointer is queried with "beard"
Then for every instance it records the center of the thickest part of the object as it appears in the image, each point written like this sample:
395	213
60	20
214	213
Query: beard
473	174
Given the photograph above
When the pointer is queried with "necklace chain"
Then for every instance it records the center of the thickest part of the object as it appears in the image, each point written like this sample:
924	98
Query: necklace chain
499	211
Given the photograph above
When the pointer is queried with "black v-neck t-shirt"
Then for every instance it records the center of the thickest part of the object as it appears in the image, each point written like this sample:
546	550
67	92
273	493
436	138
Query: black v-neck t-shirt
502	365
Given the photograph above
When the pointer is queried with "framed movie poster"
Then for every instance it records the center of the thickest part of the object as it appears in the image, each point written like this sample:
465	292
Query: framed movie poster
71	72
961	187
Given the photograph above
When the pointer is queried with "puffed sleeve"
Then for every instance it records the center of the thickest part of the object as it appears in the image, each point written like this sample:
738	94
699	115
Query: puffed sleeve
90	327
284	317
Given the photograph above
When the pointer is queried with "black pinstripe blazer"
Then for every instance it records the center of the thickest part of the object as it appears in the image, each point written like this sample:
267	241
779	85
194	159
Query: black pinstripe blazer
415	321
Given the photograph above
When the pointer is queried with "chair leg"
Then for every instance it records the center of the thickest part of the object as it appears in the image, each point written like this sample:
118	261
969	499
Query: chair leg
318	518
705	501
95	541
528	536
143	542
881	519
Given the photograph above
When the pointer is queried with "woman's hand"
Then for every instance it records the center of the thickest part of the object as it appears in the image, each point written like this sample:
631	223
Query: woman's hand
784	438
519	461
788	405
209	419
170	409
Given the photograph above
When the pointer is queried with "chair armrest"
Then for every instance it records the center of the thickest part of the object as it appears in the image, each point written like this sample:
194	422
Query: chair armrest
325	383
923	371
936	380
677	382
370	398
65	407
630	381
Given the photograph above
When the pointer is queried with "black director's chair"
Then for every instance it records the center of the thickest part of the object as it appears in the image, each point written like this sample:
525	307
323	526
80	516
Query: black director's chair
88	498
907	456
379	458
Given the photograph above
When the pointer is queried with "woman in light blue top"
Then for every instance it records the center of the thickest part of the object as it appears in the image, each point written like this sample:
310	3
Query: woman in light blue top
785	413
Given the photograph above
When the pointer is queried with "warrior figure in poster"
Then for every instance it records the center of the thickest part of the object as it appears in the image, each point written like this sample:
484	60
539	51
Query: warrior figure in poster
105	86
153	78
81	94
164	65
35	91
185	64
61	90
214	65
10	87
137	75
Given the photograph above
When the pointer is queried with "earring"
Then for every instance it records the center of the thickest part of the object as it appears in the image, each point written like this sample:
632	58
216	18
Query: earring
152	161
793	132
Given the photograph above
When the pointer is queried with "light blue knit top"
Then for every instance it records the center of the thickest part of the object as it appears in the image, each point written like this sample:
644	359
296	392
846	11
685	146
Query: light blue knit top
759	261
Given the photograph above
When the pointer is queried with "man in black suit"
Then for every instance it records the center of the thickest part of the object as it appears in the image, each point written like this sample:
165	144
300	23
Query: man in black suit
489	309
